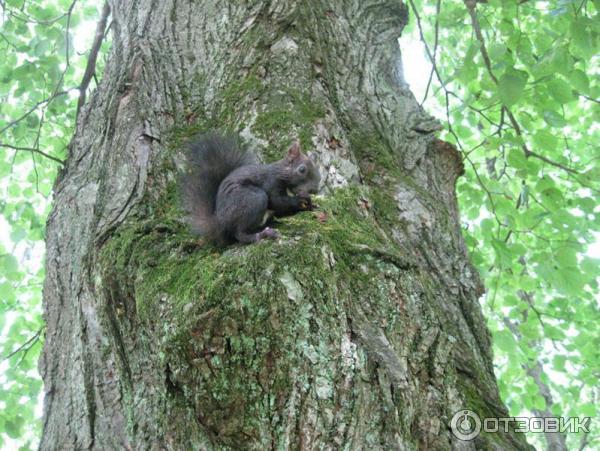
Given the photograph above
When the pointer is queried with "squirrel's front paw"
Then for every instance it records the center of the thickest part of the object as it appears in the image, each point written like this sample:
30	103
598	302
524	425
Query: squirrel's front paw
305	202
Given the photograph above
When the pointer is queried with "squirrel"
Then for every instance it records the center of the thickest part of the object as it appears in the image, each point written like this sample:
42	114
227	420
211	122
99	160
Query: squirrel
229	196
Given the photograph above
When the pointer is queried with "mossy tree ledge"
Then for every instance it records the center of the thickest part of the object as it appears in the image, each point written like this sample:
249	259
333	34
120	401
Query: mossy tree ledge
358	329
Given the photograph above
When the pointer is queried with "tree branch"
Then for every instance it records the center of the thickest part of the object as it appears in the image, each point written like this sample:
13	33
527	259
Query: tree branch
435	47
90	68
32	109
25	346
591	99
422	37
34	150
470	4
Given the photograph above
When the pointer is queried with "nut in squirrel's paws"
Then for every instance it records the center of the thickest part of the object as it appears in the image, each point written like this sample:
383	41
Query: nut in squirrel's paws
305	202
268	232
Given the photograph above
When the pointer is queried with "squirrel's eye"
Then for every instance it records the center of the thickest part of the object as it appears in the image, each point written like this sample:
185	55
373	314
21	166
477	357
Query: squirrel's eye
301	169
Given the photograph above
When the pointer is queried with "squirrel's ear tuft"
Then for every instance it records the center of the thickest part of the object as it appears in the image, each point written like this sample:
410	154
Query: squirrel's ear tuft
294	151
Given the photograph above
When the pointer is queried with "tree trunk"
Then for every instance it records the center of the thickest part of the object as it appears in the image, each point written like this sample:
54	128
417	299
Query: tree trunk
359	329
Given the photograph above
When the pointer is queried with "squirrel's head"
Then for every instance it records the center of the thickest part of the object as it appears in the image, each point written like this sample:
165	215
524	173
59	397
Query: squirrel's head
303	173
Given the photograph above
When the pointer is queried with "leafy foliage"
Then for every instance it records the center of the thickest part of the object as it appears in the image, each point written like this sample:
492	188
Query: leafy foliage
517	84
42	63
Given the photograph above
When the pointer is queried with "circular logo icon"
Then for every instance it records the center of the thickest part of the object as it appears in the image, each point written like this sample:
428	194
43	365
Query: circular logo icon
465	425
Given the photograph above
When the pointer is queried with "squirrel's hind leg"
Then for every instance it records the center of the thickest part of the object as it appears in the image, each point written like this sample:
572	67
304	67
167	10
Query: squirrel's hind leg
245	214
247	238
268	232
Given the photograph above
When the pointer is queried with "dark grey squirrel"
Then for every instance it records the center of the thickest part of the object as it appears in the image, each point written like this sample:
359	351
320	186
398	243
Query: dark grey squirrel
229	196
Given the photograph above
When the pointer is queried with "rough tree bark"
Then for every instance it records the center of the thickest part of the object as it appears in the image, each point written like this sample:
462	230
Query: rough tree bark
359	329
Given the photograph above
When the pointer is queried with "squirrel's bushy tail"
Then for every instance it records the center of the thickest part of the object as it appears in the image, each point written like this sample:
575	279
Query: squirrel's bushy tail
210	158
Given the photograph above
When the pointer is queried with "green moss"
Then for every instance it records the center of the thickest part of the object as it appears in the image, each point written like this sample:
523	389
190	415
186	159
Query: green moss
373	155
229	313
247	88
161	258
476	402
473	398
160	263
291	113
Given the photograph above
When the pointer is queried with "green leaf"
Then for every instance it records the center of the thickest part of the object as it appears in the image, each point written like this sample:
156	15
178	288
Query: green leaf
544	141
560	90
554	119
566	257
553	333
582	41
568	281
552	199
516	158
17	234
559	362
579	80
589	409
42	47
14	426
505	341
538	402
9	265
511	86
